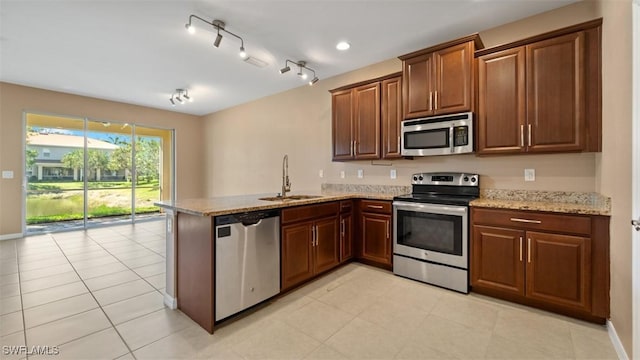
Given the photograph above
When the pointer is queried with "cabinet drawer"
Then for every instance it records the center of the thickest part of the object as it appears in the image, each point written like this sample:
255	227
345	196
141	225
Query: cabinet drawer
532	220
376	206
346	206
309	212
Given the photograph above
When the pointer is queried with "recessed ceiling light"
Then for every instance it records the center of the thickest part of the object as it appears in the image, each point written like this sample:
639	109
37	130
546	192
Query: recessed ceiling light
343	45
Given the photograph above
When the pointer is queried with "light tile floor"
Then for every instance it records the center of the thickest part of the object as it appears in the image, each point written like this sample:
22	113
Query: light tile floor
97	294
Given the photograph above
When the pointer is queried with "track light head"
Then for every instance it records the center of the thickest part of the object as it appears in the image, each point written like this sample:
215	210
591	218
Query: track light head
186	96
313	81
285	69
173	103
243	54
179	99
302	75
216	43
190	28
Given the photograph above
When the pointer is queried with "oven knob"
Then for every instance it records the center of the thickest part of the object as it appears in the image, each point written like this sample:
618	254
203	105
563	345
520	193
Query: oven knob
420	178
473	179
466	178
415	178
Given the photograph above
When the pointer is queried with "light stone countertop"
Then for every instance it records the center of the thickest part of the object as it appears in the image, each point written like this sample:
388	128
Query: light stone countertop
584	203
225	205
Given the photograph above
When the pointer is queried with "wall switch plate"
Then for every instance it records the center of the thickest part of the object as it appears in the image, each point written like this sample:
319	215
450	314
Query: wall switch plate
360	173
321	173
342	174
529	174
7	174
393	174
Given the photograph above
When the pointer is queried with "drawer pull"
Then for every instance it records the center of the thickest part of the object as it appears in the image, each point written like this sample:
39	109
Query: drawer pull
375	206
520	248
526	221
529	250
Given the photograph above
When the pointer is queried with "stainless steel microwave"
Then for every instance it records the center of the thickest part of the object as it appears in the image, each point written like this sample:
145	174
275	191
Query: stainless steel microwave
438	135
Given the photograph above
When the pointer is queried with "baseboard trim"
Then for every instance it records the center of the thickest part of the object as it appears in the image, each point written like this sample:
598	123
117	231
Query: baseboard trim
170	301
617	344
10	236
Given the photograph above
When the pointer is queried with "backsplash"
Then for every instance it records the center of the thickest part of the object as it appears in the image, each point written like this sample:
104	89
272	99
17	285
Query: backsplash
363	188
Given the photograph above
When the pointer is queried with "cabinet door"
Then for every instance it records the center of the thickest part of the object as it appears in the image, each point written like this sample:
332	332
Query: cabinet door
391	117
418	86
342	120
555	94
501	102
559	269
327	248
366	115
376	238
497	259
453	79
297	251
346	237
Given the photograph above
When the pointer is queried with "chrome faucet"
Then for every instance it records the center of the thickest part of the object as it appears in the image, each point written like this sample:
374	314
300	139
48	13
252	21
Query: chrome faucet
286	185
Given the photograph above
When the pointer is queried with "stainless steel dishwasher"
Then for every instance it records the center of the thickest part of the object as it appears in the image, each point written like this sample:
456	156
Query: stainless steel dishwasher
247	260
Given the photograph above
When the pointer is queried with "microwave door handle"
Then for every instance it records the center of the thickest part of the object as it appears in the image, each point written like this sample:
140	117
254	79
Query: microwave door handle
451	138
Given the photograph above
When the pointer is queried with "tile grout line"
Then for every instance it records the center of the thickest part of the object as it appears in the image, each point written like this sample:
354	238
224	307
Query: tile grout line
24	323
93	296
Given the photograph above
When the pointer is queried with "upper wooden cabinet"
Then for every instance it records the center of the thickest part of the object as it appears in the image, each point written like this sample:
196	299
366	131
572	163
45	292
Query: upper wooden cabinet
366	119
541	94
440	79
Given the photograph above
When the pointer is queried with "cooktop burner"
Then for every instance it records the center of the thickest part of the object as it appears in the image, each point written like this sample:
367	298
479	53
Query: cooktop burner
443	188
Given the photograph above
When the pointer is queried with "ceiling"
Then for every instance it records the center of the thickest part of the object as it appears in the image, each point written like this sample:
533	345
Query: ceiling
139	52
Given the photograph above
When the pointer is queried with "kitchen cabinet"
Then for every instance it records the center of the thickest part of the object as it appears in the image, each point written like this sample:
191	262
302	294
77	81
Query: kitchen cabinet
375	236
541	94
346	230
391	117
440	79
558	262
366	119
310	242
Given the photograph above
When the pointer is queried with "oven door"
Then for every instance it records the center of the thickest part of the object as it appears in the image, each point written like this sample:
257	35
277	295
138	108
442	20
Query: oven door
431	232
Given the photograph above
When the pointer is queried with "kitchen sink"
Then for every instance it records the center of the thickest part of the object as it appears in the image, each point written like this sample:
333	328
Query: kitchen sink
290	197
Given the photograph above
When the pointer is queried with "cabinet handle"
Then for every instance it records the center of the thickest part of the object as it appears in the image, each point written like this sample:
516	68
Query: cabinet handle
528	250
435	101
520	248
313	236
342	227
388	237
526	221
317	236
355	148
529	134
430	100
375	206
521	135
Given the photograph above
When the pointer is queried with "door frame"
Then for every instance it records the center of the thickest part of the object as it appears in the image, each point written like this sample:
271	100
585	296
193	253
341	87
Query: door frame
635	180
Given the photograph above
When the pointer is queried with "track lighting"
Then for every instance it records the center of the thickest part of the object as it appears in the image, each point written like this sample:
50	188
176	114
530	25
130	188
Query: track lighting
180	96
302	65
219	25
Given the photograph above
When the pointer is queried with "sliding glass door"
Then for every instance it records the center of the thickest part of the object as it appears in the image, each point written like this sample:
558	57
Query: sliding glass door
84	172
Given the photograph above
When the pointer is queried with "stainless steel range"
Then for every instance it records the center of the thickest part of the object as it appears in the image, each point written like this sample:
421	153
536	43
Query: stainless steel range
431	229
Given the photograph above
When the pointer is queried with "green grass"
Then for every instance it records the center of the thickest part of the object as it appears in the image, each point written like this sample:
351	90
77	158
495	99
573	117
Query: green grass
52	202
79	185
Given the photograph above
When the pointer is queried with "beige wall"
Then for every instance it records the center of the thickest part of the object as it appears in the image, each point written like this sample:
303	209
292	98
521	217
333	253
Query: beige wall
14	100
613	166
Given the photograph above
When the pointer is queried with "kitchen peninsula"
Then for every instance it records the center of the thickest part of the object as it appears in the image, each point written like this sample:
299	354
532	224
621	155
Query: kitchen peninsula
191	242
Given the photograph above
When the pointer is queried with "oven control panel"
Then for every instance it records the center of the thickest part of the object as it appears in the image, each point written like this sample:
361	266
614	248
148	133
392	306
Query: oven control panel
445	178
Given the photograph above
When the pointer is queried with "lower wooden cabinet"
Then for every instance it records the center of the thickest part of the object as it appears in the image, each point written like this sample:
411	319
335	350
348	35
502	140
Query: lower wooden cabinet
375	244
556	262
310	242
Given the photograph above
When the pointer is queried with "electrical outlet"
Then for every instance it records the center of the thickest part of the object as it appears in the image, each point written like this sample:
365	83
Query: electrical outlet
342	174
393	174
169	225
529	174
7	174
321	173
360	173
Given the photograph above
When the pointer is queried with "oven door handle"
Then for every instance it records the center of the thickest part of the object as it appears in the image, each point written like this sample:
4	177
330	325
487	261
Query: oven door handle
432	208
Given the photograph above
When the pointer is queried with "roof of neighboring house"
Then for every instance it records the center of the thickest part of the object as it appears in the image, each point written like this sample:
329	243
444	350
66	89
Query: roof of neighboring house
72	141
